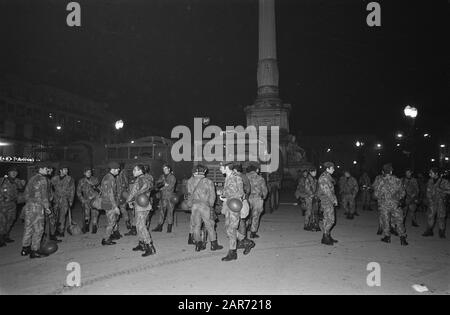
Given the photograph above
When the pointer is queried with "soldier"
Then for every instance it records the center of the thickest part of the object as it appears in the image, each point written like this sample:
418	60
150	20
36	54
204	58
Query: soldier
108	193
202	194
389	191
348	188
258	193
64	192
422	205
233	188
412	197
141	185
364	187
380	219
328	201
167	182
300	192
9	188
437	189
122	187
87	189
36	206
310	193
243	242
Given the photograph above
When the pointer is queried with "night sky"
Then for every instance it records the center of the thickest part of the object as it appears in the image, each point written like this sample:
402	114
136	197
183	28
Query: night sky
164	61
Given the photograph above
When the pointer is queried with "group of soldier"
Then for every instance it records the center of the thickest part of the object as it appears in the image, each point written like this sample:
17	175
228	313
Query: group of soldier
396	200
49	198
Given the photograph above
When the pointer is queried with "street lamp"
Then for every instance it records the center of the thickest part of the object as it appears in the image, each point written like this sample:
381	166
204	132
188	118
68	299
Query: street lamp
359	143
410	111
328	150
119	124
58	127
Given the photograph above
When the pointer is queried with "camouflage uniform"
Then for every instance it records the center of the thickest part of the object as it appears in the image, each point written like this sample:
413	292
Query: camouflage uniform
64	192
256	198
9	188
37	201
167	192
436	191
86	192
108	192
327	200
122	186
242	229
412	194
389	191
203	195
142	185
300	193
364	187
233	188
348	188
309	194
375	184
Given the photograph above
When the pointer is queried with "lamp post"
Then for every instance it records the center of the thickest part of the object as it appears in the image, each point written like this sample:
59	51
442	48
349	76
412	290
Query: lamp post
411	114
118	125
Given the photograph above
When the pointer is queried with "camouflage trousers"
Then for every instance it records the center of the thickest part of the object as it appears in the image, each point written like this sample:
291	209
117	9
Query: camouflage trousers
256	209
411	209
232	220
124	213
437	209
308	212
392	215
348	203
90	214
141	227
7	216
202	213
34	225
61	207
111	217
365	198
328	216
166	208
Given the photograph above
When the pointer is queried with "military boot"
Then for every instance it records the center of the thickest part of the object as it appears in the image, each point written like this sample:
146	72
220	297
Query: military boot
248	246
147	250
215	246
169	228
109	241
158	228
326	240
200	246
59	234
428	232
191	239
132	231
25	251
128	224
307	227
442	233
386	239
115	235
232	255
153	247
240	244
332	239
254	235
37	254
403	241
94	229
139	247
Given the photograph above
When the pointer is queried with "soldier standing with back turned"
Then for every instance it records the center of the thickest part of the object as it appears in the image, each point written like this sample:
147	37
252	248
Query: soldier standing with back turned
328	201
389	191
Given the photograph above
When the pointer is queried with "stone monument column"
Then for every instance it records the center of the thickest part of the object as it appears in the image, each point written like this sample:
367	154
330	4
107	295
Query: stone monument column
268	109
